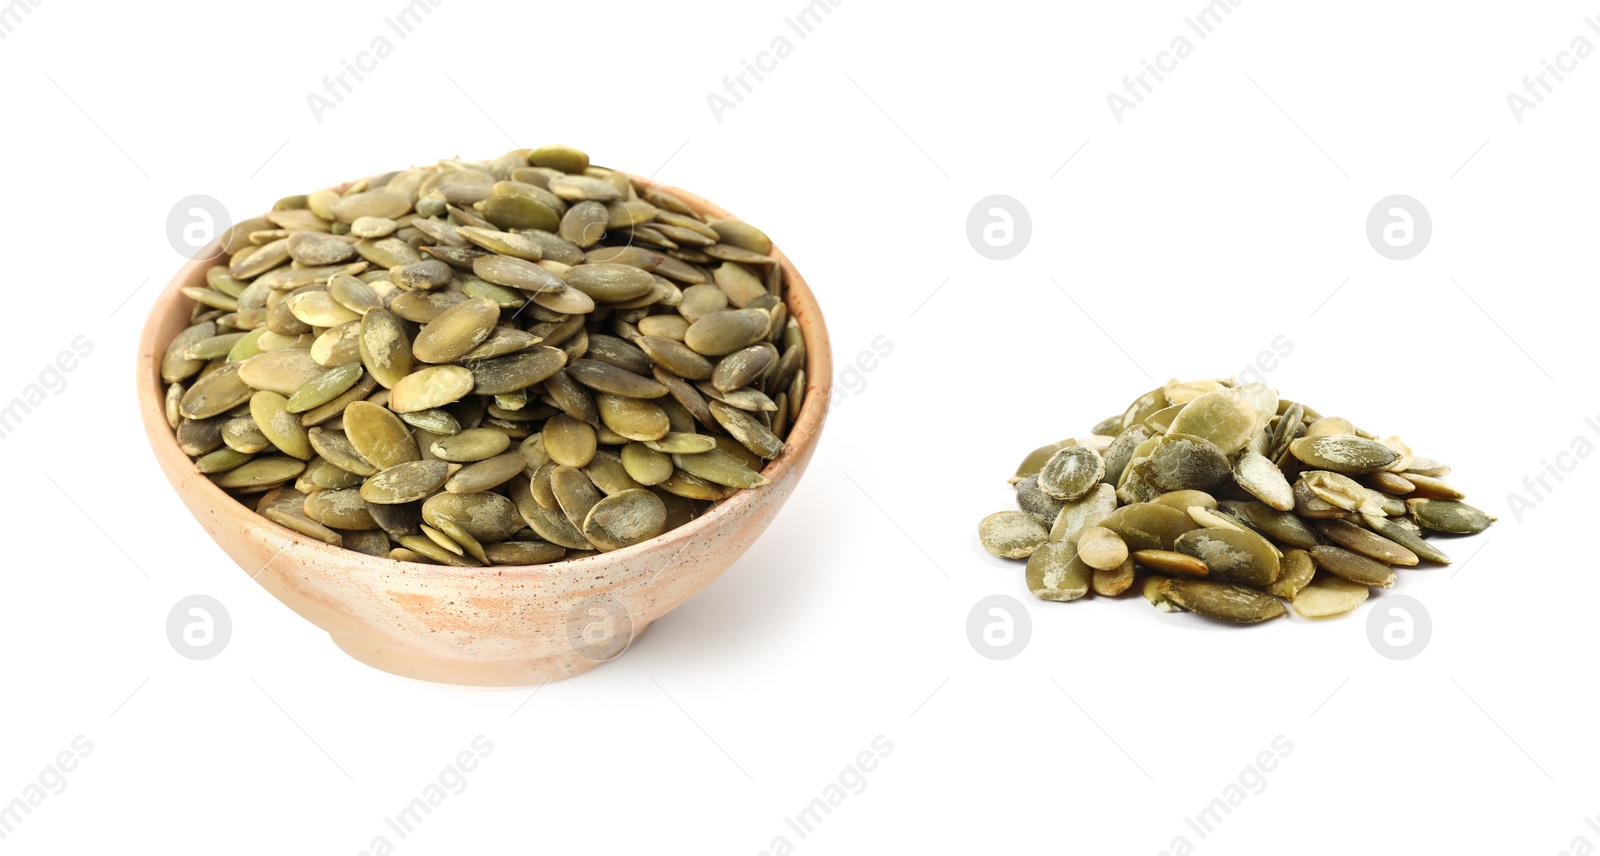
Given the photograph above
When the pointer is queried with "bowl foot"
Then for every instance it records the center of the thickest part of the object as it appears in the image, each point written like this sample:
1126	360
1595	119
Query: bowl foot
477	673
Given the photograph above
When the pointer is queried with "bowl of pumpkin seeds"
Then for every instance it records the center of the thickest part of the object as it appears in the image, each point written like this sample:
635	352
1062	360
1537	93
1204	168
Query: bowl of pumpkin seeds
484	421
1227	500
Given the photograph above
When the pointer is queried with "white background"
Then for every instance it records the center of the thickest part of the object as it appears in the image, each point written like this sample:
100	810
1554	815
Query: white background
1223	212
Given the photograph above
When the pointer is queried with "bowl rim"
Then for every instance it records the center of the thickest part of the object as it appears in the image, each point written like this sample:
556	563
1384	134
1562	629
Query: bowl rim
803	433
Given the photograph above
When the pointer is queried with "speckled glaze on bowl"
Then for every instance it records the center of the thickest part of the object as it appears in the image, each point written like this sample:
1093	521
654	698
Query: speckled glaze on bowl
495	626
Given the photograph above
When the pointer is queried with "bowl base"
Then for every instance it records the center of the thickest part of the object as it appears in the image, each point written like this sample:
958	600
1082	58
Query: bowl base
475	673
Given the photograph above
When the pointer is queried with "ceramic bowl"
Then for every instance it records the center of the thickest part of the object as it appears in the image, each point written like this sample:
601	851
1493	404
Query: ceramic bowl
494	626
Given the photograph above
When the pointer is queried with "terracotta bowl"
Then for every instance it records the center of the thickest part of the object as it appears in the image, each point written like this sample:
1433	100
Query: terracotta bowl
495	626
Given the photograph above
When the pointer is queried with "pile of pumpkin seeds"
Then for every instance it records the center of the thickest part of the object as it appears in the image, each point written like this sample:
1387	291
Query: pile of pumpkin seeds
1226	500
507	362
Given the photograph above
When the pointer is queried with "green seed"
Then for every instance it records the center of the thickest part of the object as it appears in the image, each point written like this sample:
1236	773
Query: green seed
719	468
625	519
1448	516
1223	601
456	331
271	414
486	474
1295	570
434	386
1171	562
406	482
1085	511
325	387
1071	473
473	444
1231	556
378	436
1353	567
1055	572
1399	534
1373	546
1225	418
1329	596
261	472
1346	454
1013	535
385	349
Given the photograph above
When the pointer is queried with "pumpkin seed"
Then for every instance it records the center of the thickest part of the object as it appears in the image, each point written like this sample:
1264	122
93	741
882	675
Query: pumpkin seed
456	331
625	519
340	509
1083	512
1264	480
607	378
434	386
1448	516
1353	566
261	472
1071	473
1223	601
1295	570
1282	526
1111	582
646	464
1171	562
1329	596
721	333
1148	526
1224	417
516	371
1054	571
407	482
633	418
1231	555
1036	459
719	468
487	474
385	349
485	516
1152	591
747	430
1101	549
1014	535
473	444
523	553
378	436
1394	531
324	387
1373	546
214	394
1343	453
270	411
303	525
